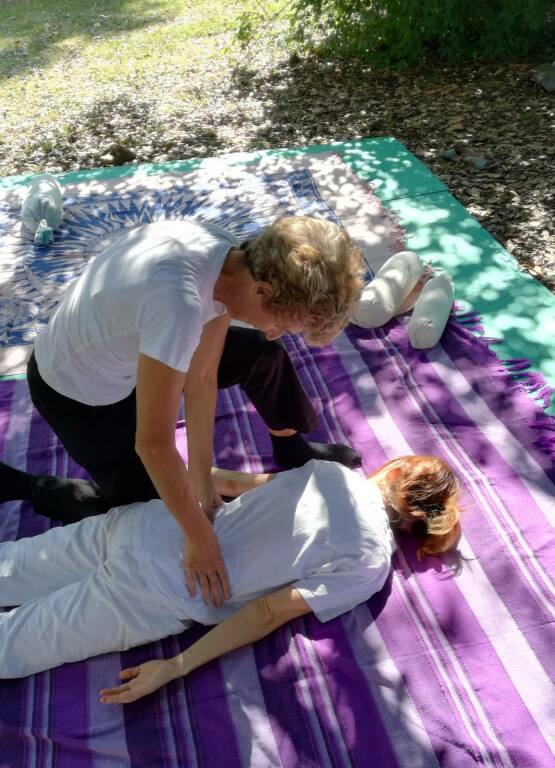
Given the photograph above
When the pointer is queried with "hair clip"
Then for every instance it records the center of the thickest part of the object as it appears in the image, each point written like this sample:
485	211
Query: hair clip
433	510
420	527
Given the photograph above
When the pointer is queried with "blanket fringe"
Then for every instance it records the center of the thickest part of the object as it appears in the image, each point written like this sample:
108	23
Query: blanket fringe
533	382
471	320
546	443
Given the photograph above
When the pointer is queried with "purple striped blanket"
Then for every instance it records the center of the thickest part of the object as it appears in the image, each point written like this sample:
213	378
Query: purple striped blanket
450	665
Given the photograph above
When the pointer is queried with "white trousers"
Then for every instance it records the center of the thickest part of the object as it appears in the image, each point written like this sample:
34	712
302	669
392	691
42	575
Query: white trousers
81	590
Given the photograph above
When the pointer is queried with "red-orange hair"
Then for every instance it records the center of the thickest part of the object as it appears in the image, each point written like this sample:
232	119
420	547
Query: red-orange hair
424	491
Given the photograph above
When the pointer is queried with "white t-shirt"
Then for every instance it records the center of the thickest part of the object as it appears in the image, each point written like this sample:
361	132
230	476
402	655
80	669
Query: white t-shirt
321	528
150	292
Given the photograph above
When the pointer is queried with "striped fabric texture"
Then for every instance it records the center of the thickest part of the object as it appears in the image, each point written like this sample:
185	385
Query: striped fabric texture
450	665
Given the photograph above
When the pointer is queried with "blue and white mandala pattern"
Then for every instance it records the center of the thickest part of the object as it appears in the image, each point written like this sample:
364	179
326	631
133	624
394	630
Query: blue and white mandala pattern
38	276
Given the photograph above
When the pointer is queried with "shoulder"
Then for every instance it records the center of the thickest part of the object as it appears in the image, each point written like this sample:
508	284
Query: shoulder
333	470
190	232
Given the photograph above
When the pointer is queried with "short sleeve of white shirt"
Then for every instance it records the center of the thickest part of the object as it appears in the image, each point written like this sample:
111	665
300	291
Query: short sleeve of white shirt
170	327
338	587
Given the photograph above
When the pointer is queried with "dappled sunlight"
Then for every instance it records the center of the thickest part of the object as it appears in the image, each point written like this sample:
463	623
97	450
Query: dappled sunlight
486	278
242	197
511	321
345	677
13	359
460	247
65	61
365	383
402	678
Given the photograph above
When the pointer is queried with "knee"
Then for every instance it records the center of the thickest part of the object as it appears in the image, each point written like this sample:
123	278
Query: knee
249	359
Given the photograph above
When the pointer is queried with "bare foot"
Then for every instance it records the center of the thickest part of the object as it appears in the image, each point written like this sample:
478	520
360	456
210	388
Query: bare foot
410	299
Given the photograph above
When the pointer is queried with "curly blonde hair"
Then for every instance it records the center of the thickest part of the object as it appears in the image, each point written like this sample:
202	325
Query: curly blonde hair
424	492
315	271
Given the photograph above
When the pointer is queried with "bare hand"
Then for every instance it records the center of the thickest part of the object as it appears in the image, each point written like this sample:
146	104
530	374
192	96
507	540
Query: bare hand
144	679
204	565
208	498
210	506
216	499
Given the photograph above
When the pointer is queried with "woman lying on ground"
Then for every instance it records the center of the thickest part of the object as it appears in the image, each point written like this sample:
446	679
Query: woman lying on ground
317	538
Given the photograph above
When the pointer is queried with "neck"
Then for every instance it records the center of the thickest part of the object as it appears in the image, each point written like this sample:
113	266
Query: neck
231	274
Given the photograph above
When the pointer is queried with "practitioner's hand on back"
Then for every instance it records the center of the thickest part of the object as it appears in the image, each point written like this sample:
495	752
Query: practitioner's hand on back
204	564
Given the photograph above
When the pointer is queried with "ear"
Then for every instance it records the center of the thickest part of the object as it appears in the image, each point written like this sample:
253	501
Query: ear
263	289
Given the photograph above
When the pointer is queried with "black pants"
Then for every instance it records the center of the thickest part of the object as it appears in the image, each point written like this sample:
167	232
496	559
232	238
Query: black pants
102	438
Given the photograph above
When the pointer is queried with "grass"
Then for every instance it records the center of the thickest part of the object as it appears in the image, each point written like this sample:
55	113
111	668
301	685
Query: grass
57	58
38	33
165	79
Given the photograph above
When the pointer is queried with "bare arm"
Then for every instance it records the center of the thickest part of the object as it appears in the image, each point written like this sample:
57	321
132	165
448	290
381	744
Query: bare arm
250	623
200	391
158	396
227	482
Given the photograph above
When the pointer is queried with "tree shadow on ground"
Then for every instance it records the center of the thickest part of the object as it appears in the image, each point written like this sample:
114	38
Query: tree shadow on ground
129	121
31	32
493	109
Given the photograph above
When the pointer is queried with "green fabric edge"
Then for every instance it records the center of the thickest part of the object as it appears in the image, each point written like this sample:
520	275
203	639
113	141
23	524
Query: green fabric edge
513	306
394	171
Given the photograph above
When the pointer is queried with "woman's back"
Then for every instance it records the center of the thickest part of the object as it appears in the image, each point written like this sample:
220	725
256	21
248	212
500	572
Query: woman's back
321	526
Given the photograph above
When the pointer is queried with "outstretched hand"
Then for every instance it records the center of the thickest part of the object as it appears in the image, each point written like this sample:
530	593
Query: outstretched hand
142	680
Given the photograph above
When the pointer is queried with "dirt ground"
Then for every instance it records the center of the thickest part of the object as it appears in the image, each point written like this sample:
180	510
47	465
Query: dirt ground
249	100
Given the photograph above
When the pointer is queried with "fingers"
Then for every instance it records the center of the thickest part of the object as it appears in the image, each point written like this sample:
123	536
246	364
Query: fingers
191	579
202	560
210	577
211	588
205	588
122	694
219	586
224	582
113	691
214	585
128	673
126	697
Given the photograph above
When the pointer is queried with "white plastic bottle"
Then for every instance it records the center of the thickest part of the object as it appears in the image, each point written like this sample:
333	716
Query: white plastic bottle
431	312
42	208
381	298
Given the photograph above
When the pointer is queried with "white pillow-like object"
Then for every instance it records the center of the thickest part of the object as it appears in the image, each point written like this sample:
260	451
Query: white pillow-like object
43	200
431	312
383	296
